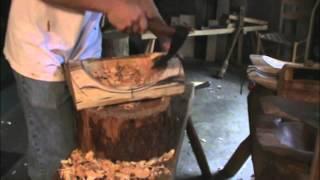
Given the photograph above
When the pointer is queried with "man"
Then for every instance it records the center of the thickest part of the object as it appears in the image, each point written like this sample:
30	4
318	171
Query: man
41	36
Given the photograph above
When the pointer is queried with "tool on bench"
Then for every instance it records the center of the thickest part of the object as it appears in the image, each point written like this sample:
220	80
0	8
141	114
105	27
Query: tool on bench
177	34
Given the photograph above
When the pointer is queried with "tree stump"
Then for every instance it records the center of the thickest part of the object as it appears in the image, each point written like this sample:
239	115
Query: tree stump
128	132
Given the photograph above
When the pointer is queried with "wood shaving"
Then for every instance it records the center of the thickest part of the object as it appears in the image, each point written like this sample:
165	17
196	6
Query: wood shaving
121	74
84	166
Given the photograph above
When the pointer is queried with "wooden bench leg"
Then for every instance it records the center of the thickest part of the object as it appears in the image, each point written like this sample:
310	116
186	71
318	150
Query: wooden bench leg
197	149
238	158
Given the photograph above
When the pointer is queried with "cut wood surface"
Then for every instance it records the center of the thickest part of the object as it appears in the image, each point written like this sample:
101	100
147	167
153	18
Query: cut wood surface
111	81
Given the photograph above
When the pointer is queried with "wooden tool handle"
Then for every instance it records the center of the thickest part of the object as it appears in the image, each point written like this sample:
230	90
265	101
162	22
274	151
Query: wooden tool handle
159	28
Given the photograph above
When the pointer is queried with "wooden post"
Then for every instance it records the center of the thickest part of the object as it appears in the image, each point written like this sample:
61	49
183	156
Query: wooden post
258	43
240	40
294	52
225	65
235	39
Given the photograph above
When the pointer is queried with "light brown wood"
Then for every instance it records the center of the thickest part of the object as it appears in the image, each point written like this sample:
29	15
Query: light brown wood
97	83
214	32
249	20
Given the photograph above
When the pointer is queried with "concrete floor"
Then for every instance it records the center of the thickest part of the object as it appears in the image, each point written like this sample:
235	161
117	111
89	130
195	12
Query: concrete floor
219	114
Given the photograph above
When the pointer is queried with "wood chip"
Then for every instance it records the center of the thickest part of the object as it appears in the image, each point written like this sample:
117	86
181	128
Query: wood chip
85	166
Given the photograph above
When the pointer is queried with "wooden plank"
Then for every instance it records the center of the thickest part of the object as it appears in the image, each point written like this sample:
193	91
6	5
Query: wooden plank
111	81
247	29
208	32
249	20
204	32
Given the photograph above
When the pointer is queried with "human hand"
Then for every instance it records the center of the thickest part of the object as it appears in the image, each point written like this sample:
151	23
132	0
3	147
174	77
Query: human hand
127	16
149	7
152	12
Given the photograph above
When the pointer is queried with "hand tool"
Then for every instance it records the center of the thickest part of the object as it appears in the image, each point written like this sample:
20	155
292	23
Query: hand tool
177	34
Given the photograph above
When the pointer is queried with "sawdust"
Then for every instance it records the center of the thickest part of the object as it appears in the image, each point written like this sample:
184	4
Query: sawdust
81	166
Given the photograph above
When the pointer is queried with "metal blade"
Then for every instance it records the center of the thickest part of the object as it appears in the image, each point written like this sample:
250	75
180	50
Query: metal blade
177	40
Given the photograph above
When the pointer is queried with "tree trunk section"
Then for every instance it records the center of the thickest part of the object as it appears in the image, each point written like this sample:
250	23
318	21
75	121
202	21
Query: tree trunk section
129	132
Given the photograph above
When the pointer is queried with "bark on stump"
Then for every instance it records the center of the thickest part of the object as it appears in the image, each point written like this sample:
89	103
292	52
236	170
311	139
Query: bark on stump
129	132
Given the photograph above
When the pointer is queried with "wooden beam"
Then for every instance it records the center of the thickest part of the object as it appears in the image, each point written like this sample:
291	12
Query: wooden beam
249	20
113	34
247	29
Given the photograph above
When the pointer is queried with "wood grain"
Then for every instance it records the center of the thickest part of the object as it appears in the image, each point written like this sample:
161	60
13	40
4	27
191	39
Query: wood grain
102	82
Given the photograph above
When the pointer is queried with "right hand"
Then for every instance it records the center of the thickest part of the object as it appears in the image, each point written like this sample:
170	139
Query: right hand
126	16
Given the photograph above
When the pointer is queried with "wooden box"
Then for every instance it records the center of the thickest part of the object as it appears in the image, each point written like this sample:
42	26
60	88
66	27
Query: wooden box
100	82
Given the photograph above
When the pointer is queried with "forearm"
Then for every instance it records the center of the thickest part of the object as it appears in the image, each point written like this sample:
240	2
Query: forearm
93	5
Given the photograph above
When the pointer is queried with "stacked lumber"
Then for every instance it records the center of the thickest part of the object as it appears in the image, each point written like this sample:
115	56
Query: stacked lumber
84	166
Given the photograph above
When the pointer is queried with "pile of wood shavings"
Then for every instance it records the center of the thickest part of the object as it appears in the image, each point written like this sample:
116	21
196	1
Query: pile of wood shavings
82	166
121	74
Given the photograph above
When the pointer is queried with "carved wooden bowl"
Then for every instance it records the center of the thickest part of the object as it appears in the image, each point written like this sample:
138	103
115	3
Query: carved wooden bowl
125	73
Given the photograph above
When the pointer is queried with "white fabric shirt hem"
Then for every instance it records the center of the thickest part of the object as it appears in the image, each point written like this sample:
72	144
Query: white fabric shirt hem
59	77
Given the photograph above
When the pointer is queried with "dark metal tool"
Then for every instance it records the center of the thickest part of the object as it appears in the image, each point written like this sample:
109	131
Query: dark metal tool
177	34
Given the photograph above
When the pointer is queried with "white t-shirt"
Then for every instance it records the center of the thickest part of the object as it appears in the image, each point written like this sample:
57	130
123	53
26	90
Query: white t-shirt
41	37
